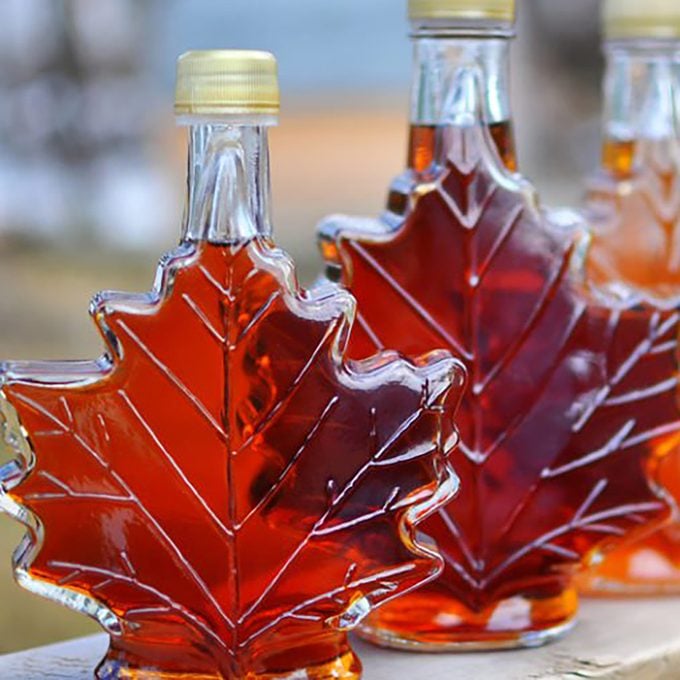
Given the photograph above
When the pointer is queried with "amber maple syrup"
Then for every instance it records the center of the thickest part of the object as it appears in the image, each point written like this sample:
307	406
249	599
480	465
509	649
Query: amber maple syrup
224	491
426	140
637	199
426	143
495	582
633	203
570	404
175	517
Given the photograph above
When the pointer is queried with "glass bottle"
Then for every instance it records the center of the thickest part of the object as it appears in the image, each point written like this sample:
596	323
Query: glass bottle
465	259
223	491
634	205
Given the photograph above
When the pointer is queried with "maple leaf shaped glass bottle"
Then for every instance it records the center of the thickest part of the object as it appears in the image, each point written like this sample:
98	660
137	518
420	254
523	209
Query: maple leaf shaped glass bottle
634	206
222	490
553	460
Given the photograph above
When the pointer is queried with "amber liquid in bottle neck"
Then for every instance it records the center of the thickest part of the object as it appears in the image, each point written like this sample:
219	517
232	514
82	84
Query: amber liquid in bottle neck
461	78
642	102
424	143
439	98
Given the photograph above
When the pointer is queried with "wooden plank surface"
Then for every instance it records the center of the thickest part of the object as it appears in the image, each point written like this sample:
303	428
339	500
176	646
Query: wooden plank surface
637	640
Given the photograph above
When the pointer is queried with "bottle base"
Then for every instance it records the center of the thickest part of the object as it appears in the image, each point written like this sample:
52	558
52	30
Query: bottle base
345	667
647	569
439	624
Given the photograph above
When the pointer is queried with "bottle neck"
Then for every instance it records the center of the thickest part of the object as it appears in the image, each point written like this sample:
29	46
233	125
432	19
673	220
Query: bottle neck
642	99
459	81
228	187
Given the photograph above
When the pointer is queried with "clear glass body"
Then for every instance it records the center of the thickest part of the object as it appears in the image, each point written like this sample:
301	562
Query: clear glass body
222	490
564	397
634	206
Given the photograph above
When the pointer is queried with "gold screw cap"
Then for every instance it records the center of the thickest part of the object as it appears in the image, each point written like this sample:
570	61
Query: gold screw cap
641	19
227	83
498	10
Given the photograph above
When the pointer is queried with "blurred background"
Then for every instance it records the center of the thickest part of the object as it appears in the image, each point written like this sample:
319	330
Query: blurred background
92	166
